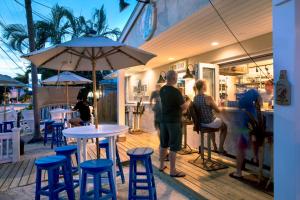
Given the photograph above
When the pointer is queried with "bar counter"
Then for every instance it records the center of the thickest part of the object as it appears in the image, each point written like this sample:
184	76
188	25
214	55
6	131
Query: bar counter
231	116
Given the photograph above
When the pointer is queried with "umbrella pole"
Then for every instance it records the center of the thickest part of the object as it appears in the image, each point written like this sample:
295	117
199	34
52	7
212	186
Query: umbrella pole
95	105
67	95
4	114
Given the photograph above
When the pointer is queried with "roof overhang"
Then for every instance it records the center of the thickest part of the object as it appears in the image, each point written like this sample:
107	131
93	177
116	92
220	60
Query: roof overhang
195	34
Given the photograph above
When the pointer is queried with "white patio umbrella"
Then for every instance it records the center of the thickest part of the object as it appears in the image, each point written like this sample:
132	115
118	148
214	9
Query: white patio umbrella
7	81
89	54
66	78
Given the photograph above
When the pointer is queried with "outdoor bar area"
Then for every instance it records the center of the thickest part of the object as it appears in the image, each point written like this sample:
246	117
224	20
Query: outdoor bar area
229	68
225	83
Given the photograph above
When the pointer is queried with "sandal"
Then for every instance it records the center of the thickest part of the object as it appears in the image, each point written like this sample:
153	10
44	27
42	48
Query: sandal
234	175
224	153
162	169
178	175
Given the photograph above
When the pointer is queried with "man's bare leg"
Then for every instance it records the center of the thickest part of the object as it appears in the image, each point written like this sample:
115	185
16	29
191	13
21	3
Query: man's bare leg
162	154
213	139
173	170
223	135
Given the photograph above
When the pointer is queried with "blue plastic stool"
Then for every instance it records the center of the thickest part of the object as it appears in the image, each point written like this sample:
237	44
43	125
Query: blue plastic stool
8	126
141	180
57	135
53	164
67	151
103	144
96	168
47	130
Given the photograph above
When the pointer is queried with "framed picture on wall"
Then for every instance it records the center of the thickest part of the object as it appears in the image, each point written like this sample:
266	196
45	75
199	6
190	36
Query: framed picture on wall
179	66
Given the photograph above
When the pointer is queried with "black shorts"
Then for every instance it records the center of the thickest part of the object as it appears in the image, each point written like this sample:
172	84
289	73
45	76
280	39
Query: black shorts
171	136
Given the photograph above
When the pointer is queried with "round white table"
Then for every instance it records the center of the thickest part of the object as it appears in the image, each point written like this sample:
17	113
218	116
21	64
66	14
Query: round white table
83	133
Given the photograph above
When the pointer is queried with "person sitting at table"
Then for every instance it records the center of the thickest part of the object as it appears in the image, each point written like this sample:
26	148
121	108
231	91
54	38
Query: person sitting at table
84	110
83	92
207	107
252	131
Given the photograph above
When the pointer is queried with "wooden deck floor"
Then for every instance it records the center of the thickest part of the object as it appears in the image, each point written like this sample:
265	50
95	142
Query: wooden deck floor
210	185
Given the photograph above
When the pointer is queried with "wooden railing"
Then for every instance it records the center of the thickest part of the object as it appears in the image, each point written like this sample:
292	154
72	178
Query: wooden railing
10	146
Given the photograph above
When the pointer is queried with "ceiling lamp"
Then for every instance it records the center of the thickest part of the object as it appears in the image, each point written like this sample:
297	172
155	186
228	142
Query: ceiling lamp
162	78
214	43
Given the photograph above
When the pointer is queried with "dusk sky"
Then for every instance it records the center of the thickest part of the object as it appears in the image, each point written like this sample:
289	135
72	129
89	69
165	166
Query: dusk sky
12	12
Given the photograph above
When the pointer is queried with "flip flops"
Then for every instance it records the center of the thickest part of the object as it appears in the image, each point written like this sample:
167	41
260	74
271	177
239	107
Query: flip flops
162	169
233	175
178	175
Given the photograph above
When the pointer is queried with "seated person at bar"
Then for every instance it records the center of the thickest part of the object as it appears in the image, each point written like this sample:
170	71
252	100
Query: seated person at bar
267	95
250	103
85	116
207	106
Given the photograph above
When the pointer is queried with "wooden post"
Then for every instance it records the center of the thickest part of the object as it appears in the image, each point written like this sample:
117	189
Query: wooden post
95	100
67	95
4	106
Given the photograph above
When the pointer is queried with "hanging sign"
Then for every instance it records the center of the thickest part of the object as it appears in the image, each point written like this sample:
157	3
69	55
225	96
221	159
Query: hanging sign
283	89
148	22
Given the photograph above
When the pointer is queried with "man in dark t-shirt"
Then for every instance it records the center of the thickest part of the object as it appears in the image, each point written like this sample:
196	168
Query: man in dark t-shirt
85	116
170	127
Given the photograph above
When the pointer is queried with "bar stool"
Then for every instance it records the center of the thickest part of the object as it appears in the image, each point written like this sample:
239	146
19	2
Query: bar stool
67	151
96	168
8	126
103	144
136	182
47	130
52	164
268	139
57	135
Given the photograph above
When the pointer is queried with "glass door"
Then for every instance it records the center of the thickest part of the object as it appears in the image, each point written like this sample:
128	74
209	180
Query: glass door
209	73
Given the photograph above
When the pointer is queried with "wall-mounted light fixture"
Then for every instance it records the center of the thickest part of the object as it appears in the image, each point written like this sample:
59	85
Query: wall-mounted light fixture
162	77
189	73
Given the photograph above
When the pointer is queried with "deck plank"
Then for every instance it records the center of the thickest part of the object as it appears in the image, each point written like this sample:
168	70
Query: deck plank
11	176
26	174
211	185
210	181
19	174
32	175
6	173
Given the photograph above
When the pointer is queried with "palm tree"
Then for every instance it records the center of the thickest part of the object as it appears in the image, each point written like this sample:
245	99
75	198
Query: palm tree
60	25
31	34
96	26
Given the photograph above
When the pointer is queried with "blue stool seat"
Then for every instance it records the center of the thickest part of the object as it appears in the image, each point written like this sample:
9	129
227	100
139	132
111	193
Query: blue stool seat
96	168
96	165
57	135
141	180
104	144
67	151
53	164
67	148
